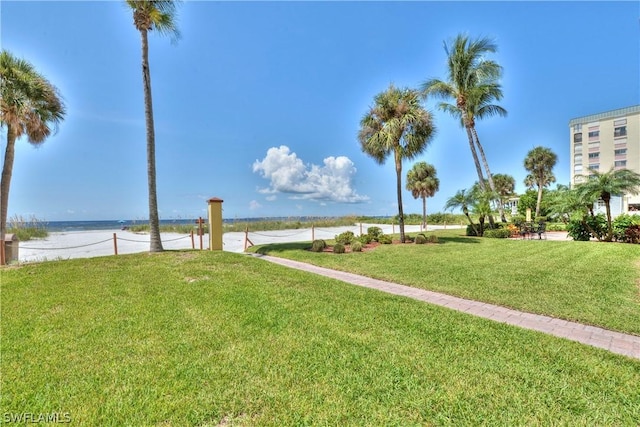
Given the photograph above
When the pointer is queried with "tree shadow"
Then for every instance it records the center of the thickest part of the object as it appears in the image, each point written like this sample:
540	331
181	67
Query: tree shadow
280	247
458	239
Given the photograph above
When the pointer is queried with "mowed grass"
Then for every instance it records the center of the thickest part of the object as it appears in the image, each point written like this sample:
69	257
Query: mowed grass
207	339
588	282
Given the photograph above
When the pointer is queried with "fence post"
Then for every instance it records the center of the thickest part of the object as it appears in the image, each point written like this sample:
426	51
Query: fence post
445	225
115	244
393	227
246	237
193	243
313	232
360	229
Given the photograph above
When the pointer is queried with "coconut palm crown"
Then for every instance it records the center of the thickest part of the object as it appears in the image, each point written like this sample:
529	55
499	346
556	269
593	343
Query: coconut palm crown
29	106
396	124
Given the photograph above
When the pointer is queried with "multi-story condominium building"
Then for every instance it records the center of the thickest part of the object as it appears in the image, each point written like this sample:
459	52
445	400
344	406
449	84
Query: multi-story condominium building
605	140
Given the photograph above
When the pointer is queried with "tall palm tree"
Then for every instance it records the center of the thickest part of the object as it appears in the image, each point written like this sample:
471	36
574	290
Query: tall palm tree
462	200
423	182
539	163
29	106
396	124
148	15
473	83
604	185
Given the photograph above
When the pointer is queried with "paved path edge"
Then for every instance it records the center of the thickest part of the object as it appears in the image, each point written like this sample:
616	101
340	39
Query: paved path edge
615	342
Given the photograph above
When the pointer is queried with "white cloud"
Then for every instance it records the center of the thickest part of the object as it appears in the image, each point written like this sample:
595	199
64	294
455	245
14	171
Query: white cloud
253	205
271	198
288	174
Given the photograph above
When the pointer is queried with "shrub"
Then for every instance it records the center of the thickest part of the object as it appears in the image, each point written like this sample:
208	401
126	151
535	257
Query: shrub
579	231
345	238
356	246
556	226
338	248
499	233
432	238
632	234
365	239
421	239
621	224
518	220
513	229
384	239
374	233
318	245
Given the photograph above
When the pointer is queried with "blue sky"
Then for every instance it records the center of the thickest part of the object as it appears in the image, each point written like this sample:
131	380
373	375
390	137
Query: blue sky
259	103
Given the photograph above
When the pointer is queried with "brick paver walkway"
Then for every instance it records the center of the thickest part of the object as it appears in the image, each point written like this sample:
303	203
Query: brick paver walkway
616	342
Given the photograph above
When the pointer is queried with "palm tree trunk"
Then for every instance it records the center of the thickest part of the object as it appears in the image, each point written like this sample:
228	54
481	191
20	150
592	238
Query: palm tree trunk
539	201
472	224
5	183
424	213
607	205
154	221
476	161
398	159
474	153
503	218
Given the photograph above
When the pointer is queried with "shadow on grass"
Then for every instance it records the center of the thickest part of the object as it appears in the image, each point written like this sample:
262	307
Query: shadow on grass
458	239
281	247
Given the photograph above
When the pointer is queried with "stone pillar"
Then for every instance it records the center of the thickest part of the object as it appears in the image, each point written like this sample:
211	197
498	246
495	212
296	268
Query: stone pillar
215	224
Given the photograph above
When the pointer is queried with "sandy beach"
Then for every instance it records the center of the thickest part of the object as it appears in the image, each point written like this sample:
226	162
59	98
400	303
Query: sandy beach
87	244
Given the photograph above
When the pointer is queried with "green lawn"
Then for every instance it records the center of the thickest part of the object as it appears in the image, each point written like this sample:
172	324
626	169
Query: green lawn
588	282
207	339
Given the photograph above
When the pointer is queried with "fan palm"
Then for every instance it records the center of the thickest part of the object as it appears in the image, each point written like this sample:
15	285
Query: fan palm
148	15
472	83
423	182
29	106
603	185
396	124
505	187
539	163
462	200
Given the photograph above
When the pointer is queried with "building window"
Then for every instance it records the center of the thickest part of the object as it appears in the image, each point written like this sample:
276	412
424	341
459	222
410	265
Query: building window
595	134
619	122
594	155
620	164
577	137
577	148
577	169
620	131
577	127
620	152
594	166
